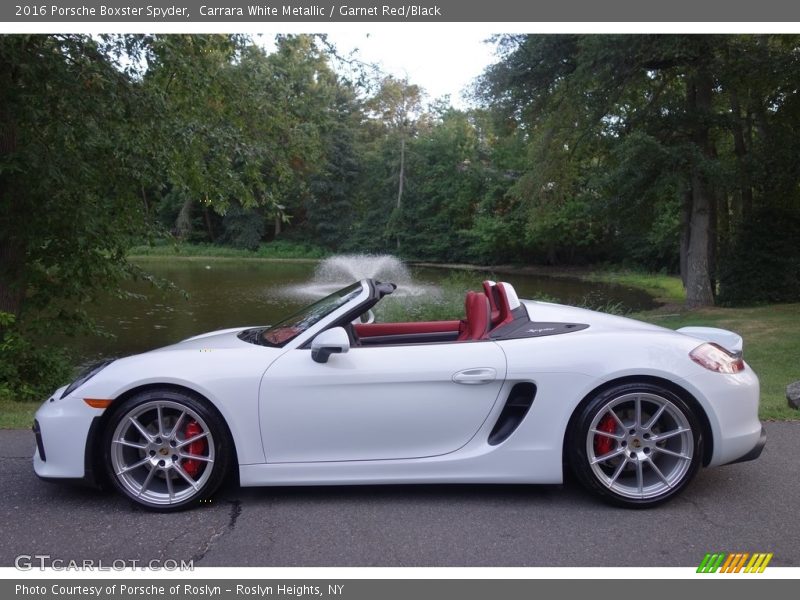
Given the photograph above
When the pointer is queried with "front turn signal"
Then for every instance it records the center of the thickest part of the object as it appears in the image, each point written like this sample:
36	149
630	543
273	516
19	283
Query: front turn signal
97	402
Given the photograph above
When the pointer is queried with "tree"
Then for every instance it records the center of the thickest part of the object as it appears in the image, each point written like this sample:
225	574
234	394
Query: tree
443	199
397	105
254	127
69	187
330	206
595	108
71	146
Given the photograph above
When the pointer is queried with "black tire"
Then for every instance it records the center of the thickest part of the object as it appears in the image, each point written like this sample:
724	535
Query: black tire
648	462
168	458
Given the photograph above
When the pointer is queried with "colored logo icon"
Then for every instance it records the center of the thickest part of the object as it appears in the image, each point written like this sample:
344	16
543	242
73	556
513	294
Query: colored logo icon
735	562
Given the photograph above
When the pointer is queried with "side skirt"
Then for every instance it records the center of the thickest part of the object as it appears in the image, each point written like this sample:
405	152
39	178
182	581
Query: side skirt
493	466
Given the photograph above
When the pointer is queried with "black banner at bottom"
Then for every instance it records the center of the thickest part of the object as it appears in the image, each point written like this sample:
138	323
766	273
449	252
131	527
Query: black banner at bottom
393	589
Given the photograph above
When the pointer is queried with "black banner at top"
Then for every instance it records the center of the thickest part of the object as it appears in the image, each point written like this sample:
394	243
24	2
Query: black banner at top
375	11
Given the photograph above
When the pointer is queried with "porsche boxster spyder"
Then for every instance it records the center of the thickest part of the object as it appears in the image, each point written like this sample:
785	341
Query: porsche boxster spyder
515	392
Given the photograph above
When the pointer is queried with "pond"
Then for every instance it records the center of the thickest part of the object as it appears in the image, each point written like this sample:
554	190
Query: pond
241	292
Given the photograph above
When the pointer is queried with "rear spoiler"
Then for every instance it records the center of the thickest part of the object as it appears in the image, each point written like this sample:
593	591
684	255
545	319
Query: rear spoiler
732	342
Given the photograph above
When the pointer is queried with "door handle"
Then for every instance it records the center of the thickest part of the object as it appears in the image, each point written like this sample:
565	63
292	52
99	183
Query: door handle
476	376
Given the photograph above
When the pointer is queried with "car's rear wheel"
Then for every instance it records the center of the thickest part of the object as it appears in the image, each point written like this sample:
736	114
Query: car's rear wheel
166	450
635	445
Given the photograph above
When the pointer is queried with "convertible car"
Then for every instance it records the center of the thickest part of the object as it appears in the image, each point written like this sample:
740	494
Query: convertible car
516	392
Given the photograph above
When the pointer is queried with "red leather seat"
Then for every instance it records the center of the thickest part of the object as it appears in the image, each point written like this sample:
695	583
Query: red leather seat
476	326
502	300
503	304
490	289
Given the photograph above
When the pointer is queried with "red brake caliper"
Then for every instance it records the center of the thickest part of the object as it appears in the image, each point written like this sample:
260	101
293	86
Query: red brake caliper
198	448
602	444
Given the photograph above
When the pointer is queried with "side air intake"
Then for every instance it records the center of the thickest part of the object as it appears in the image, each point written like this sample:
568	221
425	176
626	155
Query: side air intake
517	405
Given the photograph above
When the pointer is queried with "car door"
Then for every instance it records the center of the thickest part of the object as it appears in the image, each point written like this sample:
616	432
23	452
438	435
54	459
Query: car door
380	402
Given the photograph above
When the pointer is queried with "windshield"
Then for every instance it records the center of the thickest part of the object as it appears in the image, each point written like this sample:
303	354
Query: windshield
291	327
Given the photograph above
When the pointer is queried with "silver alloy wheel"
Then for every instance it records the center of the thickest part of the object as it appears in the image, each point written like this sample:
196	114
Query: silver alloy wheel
646	449
150	451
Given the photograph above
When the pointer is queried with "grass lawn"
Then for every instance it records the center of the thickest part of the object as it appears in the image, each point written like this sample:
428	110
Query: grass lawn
17	415
664	288
771	345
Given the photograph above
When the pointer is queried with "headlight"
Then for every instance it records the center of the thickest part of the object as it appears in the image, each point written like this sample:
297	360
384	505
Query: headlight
86	375
715	358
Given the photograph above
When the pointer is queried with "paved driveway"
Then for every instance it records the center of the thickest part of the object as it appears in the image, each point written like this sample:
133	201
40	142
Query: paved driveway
750	507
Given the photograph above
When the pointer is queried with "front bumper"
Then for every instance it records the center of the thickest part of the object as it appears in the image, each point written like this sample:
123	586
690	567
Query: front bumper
65	430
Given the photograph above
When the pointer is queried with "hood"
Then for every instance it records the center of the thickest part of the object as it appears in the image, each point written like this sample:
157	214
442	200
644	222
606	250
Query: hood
217	340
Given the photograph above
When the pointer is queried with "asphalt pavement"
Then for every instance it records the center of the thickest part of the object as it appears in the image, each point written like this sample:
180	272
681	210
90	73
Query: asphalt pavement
749	507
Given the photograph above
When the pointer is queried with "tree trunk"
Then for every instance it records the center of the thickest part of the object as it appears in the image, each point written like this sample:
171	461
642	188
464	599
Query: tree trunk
698	276
277	225
12	253
401	179
183	224
698	279
740	150
686	217
724	230
145	203
208	223
713	233
760	120
12	281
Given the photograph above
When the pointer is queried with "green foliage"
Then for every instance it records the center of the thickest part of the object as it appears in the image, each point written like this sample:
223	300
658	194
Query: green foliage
763	265
70	199
604	305
443	187
244	228
329	206
71	148
445	305
28	370
449	306
283	249
627	133
493	239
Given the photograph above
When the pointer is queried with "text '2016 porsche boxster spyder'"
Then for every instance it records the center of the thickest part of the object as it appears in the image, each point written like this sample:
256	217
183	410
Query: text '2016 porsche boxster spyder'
516	392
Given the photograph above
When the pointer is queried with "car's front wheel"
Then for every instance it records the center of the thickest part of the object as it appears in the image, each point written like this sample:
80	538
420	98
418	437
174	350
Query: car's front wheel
166	450
635	445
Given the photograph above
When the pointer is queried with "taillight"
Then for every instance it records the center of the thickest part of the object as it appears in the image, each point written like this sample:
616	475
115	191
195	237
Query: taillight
715	358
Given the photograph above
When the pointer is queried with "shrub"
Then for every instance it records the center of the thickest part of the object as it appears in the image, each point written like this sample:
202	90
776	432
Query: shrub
29	370
764	262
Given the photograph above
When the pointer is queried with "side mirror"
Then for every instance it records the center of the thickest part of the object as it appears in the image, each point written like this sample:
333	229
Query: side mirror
330	341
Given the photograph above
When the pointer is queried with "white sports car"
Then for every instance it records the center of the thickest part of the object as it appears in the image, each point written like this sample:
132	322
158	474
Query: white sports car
516	392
